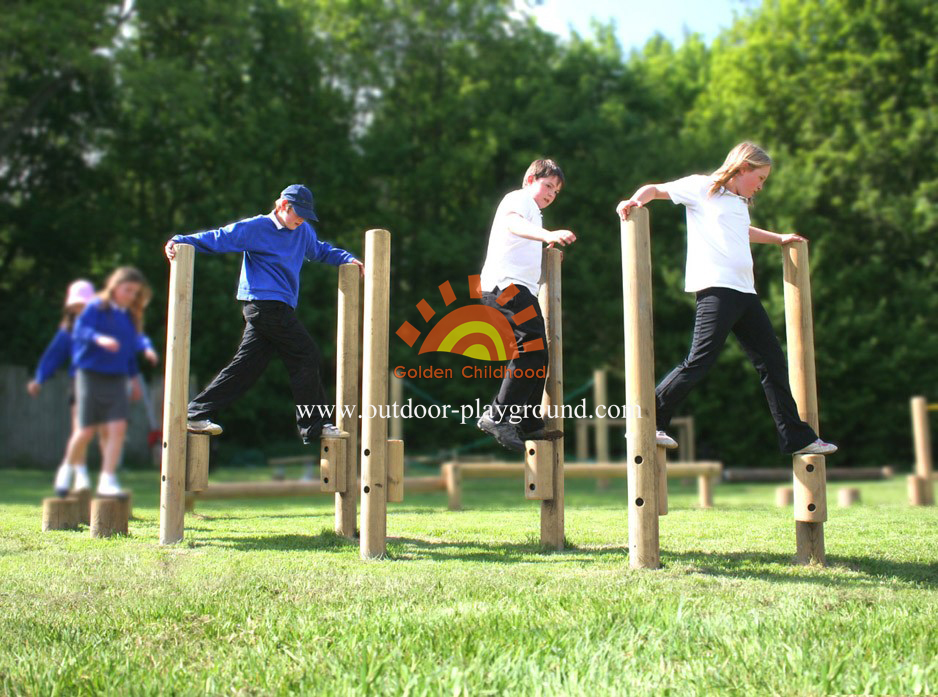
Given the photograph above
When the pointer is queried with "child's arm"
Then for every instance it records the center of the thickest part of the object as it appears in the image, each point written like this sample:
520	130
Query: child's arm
647	193
317	250
57	354
759	236
518	225
231	238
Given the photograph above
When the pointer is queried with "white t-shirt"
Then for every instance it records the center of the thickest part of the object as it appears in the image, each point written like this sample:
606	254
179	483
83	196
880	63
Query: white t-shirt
510	258
718	252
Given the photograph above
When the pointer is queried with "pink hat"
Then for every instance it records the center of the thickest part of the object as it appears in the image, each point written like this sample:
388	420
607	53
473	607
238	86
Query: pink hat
80	292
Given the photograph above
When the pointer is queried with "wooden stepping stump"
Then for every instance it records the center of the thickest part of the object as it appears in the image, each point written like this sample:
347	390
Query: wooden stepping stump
109	516
784	496
82	497
847	496
59	513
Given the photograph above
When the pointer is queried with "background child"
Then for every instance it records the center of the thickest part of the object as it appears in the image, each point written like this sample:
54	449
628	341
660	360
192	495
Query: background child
274	247
106	338
58	354
719	271
514	257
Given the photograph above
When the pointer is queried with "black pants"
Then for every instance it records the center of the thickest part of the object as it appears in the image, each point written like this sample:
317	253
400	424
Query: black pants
270	327
720	311
522	395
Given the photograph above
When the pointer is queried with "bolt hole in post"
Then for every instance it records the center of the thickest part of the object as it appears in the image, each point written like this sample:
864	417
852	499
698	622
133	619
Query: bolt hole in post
367	452
810	468
531	452
812	507
367	489
638	460
639	502
531	487
325	448
325	480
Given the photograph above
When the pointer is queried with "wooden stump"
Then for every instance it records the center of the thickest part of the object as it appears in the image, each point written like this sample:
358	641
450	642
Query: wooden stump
197	456
784	496
395	471
59	513
108	516
847	496
705	491
332	468
452	477
82	497
539	470
918	488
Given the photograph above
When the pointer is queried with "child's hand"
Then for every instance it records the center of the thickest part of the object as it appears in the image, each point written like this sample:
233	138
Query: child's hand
170	250
788	239
561	237
33	388
625	206
361	267
151	356
108	343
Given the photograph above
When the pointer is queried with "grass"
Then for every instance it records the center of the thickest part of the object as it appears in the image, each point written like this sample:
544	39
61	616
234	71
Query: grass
263	598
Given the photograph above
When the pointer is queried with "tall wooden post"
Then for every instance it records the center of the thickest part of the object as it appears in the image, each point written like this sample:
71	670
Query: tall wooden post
809	478
549	295
921	485
176	396
644	552
348	340
396	427
375	394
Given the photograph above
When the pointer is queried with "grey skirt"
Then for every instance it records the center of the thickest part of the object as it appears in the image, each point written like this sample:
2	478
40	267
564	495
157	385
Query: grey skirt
101	398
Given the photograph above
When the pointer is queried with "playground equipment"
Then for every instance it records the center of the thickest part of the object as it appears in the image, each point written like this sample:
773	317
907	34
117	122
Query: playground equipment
185	455
921	483
777	474
645	469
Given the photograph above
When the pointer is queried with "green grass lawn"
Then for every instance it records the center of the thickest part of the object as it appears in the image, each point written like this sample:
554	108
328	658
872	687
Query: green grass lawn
262	598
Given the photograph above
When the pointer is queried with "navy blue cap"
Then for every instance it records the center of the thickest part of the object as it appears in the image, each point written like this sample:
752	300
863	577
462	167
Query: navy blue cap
301	199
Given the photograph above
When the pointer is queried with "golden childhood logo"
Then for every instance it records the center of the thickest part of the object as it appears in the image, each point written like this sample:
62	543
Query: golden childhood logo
474	331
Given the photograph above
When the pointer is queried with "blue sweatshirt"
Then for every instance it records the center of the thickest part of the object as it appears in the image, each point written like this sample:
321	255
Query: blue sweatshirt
59	353
100	319
273	255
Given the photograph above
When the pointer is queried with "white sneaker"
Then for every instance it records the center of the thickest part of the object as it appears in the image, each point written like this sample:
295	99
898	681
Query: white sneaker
108	485
662	438
818	447
204	426
82	480
331	431
63	479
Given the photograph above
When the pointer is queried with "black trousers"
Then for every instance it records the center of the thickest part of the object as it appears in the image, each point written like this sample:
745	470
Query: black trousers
270	327
521	395
719	312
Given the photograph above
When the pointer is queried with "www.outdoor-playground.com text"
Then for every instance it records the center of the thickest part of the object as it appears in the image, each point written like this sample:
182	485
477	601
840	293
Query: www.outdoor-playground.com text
470	412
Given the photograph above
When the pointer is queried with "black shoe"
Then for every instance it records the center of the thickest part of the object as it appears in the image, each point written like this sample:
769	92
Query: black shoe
505	433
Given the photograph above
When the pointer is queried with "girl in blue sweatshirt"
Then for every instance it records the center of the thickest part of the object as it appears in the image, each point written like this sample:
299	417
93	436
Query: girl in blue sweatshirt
105	339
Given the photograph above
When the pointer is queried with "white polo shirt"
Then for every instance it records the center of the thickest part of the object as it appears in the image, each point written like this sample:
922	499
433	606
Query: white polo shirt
510	258
718	251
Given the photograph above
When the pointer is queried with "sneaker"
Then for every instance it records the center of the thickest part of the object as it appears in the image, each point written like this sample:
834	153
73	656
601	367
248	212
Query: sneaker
818	447
331	431
506	434
662	438
63	479
109	486
82	480
205	426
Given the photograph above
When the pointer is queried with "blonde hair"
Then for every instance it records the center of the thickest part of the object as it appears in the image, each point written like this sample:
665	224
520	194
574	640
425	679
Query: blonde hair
744	154
128	274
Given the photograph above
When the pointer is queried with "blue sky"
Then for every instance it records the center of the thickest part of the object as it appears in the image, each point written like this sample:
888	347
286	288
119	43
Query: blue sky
636	21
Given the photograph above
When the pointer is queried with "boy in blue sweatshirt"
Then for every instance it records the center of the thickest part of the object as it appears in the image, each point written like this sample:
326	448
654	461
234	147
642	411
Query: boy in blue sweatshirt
274	248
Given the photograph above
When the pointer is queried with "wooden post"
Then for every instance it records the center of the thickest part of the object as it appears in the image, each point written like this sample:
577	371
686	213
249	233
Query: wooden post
549	299
705	490
176	396
197	455
452	477
847	496
916	488
661	453
333	456
799	323
59	513
539	469
348	341
641	461
83	499
809	488
784	496
396	426
108	516
395	471
925	495
601	397
375	394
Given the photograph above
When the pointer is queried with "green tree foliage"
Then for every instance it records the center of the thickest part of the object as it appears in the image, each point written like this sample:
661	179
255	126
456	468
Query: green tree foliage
124	123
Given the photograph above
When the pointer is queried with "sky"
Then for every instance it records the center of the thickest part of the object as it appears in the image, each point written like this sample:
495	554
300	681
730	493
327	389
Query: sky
637	21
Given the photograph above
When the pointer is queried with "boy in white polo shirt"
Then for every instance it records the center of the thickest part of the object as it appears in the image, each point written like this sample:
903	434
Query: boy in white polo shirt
719	271
513	257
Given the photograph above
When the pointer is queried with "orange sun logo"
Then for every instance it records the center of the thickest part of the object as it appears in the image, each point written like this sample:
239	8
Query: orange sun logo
474	331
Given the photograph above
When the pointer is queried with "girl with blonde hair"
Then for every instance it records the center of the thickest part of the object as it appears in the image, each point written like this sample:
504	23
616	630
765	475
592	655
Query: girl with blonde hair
719	272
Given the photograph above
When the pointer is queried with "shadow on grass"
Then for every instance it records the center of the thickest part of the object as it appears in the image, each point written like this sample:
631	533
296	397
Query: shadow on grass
323	541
